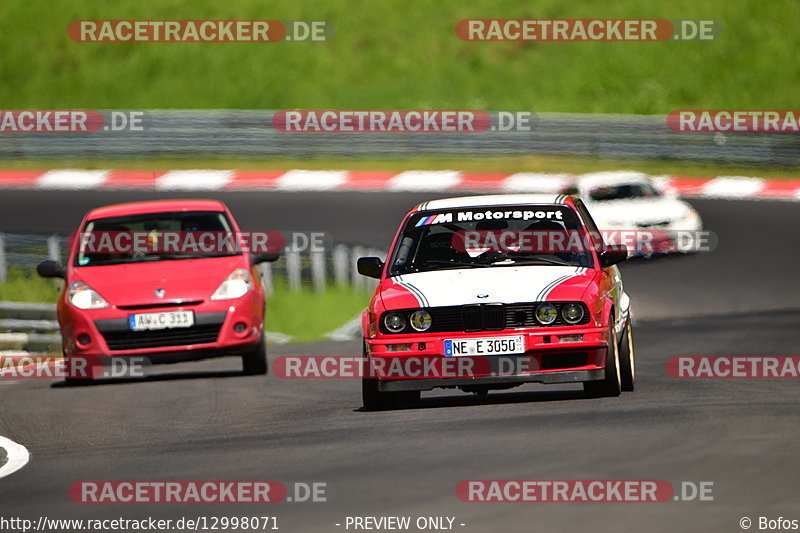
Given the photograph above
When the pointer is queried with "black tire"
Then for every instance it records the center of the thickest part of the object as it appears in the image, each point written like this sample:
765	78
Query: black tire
610	386
376	400
254	362
627	362
74	380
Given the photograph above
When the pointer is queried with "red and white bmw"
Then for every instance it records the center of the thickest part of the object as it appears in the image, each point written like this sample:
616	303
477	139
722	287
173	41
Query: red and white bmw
520	313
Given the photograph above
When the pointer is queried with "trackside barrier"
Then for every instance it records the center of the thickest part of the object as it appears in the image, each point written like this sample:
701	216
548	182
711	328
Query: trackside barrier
251	133
313	267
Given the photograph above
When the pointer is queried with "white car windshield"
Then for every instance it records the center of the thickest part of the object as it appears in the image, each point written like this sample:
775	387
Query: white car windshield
625	191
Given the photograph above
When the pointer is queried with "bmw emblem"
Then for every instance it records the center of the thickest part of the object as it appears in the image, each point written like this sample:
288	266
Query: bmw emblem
483	295
159	292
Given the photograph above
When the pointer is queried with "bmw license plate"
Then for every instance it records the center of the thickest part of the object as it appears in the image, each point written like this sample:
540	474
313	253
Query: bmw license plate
484	346
162	320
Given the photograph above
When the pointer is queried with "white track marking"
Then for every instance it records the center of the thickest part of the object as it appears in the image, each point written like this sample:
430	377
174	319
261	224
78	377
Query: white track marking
194	180
72	179
733	187
311	180
17	456
424	180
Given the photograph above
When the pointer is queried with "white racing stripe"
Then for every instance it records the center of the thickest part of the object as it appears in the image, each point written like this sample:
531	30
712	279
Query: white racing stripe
425	180
733	187
194	180
73	179
312	180
17	456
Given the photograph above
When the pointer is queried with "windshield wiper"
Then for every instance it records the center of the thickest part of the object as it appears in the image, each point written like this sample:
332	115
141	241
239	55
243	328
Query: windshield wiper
535	260
454	263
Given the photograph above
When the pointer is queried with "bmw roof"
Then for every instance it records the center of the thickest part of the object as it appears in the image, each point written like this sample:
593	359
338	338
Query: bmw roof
494	199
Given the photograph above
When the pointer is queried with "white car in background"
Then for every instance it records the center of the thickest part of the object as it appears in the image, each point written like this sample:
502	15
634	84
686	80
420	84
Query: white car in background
627	200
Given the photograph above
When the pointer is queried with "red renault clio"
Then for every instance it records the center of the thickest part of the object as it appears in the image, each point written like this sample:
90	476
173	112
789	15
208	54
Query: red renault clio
129	294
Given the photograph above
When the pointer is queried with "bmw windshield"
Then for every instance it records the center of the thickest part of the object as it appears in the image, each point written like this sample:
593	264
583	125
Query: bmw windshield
490	236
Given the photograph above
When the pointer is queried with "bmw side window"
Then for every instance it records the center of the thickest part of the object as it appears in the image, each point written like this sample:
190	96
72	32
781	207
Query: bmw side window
589	221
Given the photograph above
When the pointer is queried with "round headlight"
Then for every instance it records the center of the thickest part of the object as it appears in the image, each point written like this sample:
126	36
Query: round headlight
546	313
394	322
572	313
420	320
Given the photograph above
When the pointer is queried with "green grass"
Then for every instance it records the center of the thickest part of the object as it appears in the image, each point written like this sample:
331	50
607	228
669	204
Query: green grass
23	285
305	315
402	54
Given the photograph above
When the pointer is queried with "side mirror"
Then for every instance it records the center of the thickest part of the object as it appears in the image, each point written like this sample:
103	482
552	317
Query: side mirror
613	254
266	257
370	267
51	269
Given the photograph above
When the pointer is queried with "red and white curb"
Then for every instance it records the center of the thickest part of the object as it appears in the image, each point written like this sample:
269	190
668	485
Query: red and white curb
733	187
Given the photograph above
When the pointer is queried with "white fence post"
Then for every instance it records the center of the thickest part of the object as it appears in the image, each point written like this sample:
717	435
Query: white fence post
266	277
53	248
293	269
341	262
356	279
3	262
318	271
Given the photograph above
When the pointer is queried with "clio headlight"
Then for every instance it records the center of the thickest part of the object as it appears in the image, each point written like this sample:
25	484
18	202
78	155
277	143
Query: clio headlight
83	296
236	285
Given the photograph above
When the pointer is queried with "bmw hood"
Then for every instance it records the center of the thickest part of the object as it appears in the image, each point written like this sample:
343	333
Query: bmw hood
486	285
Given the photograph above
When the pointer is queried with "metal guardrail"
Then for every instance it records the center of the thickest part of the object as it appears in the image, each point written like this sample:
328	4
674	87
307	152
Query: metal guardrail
317	268
250	134
28	327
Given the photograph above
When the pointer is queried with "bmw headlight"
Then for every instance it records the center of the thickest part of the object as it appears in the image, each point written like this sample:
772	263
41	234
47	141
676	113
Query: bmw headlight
394	322
572	313
236	285
83	296
421	320
546	313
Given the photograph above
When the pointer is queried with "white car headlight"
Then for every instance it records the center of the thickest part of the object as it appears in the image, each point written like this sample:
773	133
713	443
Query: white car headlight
690	220
235	286
83	296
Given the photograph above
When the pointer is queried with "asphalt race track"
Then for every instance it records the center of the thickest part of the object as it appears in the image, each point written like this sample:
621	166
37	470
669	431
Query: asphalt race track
203	421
